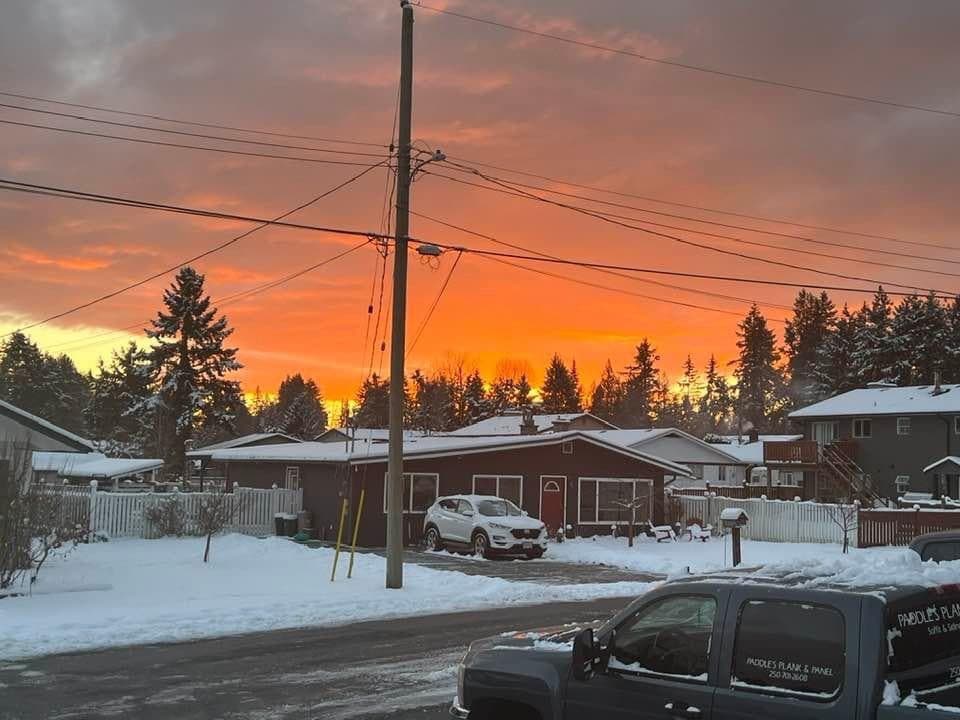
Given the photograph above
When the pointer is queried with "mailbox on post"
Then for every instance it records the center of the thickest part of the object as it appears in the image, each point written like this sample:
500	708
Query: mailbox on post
734	518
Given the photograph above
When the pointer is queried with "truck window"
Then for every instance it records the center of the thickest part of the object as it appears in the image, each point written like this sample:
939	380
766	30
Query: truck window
789	648
941	551
669	637
923	634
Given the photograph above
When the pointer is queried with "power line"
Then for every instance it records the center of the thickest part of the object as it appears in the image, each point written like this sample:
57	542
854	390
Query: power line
683	241
772	233
183	133
216	248
614	273
195	123
689	66
63	193
433	305
183	146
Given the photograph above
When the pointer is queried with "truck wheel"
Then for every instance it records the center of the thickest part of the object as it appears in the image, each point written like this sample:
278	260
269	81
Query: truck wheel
481	545
432	539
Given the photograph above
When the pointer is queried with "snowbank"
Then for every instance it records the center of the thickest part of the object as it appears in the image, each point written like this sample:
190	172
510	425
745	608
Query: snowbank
146	591
670	558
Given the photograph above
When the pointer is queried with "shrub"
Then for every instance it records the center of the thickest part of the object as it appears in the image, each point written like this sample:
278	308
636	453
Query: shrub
167	517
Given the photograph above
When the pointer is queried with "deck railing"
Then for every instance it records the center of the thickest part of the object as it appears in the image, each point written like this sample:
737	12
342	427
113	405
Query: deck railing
801	452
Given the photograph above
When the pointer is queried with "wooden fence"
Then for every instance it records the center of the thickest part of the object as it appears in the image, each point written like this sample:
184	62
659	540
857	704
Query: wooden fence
776	520
758	492
124	514
899	527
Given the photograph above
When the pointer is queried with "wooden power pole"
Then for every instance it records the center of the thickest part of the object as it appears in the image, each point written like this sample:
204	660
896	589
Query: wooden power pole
398	332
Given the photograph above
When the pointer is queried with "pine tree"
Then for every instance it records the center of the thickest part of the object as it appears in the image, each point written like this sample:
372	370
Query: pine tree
475	403
373	403
191	365
814	318
607	399
951	349
874	354
25	380
521	392
433	403
640	388
299	408
576	393
120	415
503	395
834	370
759	383
69	396
918	334
715	404
559	392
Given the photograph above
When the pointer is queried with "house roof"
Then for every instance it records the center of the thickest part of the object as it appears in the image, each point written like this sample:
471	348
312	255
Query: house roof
886	400
751	453
638	438
509	424
943	461
38	424
241	441
363	434
428	447
91	465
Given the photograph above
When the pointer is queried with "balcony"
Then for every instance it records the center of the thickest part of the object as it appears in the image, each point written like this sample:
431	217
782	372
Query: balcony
792	452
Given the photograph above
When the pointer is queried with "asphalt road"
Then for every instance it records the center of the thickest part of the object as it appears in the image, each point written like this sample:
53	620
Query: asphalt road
398	669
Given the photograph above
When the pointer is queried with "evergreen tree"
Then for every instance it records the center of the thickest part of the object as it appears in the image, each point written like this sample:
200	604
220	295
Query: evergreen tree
24	375
476	406
521	392
69	394
606	401
874	354
918	335
640	388
715	403
951	349
503	395
120	414
373	403
191	365
834	370
577	390
559	392
814	317
759	383
299	409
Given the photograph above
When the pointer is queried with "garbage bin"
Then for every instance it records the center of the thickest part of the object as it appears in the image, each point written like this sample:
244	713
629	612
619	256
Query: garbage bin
289	525
305	522
278	523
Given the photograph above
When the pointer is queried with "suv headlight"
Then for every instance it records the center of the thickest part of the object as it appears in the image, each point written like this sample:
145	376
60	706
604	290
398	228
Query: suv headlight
499	526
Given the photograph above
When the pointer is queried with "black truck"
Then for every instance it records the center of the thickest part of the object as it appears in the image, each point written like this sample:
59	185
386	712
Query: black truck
732	647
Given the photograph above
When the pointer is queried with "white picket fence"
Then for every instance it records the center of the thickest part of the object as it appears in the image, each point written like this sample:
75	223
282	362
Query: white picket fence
775	520
122	514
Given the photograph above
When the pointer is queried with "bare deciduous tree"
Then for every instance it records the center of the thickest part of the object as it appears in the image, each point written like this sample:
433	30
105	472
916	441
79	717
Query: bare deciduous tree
218	509
845	516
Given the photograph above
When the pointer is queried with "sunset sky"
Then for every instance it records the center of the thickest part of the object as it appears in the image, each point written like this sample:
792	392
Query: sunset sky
329	68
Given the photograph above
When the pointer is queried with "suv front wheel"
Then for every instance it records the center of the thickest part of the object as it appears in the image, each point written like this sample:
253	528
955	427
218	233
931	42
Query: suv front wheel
481	545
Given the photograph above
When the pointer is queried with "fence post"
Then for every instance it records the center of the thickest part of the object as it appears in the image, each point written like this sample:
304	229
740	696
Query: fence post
93	506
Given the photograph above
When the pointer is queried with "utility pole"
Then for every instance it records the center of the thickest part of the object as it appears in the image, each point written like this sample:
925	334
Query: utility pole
398	332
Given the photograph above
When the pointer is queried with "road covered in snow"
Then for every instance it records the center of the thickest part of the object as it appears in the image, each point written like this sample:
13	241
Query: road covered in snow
134	592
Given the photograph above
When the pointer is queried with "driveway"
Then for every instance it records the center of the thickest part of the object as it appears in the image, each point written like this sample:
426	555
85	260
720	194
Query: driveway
397	669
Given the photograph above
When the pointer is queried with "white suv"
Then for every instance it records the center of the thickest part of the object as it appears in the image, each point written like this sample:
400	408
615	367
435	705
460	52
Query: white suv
484	524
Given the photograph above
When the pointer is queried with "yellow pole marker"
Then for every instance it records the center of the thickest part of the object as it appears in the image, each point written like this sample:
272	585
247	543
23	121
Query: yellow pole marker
356	528
336	555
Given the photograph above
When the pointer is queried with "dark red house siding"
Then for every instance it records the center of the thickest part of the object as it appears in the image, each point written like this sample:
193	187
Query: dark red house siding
324	485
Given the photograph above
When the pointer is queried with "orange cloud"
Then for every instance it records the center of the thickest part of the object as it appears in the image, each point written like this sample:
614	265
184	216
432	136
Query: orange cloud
35	257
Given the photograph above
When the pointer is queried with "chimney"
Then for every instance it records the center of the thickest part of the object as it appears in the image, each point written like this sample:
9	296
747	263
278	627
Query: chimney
936	383
527	425
754	435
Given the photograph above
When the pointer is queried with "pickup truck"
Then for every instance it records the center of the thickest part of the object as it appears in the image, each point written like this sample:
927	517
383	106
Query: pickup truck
732	647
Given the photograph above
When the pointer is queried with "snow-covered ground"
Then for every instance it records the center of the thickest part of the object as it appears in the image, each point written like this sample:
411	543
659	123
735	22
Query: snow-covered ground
132	591
670	558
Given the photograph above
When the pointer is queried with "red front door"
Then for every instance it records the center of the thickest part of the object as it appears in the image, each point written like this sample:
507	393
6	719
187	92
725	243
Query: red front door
551	501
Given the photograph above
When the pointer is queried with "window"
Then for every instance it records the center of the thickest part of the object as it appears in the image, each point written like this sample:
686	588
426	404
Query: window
566	448
788	478
789	648
721	473
464	507
509	487
941	551
449	505
607	500
903	483
291	478
862	428
419	491
903	426
498	508
956	424
670	637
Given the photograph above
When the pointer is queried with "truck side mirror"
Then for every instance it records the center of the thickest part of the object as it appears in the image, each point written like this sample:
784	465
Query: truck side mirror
584	655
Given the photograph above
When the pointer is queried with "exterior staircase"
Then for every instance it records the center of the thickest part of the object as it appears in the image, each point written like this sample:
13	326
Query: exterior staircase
840	478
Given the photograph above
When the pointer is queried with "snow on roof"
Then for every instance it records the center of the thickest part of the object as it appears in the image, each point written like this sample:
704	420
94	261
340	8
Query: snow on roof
366	434
240	442
948	459
751	453
91	465
427	446
509	423
888	400
44	426
637	438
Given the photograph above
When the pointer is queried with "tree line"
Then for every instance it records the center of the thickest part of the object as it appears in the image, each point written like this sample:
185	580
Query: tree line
154	401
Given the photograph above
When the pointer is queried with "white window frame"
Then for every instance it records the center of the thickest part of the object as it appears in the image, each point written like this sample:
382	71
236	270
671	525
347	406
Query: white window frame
596	500
900	481
566	448
408	501
291	480
861	434
785	478
903	425
721	474
498	478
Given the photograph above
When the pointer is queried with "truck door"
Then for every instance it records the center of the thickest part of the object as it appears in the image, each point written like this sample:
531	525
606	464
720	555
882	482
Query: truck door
662	660
789	655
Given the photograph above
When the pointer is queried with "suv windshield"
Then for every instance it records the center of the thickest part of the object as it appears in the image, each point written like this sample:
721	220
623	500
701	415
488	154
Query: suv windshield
497	508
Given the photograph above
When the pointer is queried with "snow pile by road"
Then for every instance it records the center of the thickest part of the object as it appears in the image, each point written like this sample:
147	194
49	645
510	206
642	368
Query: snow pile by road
671	558
145	591
871	568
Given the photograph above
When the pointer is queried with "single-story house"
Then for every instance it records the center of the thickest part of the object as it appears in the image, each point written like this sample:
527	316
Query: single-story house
516	422
361	435
18	425
707	463
84	467
201	467
568	478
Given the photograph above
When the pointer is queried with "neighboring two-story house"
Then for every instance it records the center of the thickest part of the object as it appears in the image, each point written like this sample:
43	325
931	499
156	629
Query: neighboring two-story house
880	438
